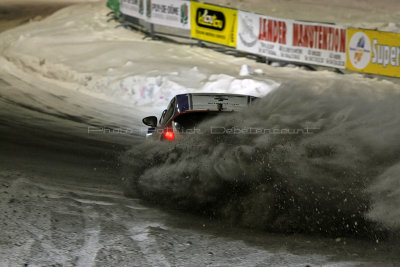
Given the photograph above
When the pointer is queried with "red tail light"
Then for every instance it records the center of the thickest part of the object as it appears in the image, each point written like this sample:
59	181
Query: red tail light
169	135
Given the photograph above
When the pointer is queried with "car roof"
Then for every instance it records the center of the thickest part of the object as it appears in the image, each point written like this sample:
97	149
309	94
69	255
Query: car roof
213	94
212	102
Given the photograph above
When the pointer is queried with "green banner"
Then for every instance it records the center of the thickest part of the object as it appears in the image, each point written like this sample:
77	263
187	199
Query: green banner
114	6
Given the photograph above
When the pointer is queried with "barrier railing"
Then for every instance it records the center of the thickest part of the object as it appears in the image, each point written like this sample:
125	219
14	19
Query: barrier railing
299	42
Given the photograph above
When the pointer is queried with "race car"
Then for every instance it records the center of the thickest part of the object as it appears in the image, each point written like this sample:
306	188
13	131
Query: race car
186	111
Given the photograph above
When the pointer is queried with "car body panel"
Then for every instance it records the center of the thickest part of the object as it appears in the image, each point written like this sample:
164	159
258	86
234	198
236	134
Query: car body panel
205	104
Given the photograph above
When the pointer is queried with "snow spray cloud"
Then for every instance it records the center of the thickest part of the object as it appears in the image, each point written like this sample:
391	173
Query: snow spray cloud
342	178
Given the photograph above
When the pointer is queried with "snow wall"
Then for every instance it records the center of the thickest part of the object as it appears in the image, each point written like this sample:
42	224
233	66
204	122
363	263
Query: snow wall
306	43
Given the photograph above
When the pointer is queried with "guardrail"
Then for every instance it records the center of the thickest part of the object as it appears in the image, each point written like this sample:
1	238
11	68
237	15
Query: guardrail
299	42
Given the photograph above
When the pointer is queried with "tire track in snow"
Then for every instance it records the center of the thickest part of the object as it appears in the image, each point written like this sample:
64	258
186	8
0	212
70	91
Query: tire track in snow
140	233
28	226
91	246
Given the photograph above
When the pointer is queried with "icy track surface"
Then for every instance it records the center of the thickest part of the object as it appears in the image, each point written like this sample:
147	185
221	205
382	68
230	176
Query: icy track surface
60	196
84	226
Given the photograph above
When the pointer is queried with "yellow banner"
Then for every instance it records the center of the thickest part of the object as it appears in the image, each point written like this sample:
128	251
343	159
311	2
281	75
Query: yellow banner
213	24
373	52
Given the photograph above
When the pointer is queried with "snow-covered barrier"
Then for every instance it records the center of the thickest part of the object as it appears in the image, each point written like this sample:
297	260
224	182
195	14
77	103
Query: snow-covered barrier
277	39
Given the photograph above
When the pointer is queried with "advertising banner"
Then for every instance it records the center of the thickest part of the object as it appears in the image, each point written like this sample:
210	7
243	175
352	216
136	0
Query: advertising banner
373	52
311	43
114	6
171	13
214	24
322	44
263	35
133	8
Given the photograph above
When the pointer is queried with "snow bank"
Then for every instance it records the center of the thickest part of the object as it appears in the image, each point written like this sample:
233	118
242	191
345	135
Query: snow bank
85	53
156	92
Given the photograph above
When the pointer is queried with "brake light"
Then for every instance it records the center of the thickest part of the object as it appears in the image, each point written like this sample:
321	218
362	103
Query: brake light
169	135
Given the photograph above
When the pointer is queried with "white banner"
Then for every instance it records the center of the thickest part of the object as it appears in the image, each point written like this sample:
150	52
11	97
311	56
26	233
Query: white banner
311	43
172	13
133	8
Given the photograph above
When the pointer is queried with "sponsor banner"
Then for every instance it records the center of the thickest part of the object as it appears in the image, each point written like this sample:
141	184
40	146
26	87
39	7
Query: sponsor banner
172	13
322	44
263	35
114	6
311	43
134	8
214	24
373	52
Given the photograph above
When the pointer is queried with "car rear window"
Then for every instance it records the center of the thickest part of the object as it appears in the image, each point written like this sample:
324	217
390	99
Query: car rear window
193	119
